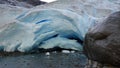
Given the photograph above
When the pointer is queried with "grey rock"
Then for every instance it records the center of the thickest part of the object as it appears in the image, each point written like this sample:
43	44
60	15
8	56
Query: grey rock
32	2
22	3
102	42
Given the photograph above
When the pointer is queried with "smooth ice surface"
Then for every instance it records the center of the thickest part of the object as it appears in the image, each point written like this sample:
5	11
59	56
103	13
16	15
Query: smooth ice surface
59	24
9	13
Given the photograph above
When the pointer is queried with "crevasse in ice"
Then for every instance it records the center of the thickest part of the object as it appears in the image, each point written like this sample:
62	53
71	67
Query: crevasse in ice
50	25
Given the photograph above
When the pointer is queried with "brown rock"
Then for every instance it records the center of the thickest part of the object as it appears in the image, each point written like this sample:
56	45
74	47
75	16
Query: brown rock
102	43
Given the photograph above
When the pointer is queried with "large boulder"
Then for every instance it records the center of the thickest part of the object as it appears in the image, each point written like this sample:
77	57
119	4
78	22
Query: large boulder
102	43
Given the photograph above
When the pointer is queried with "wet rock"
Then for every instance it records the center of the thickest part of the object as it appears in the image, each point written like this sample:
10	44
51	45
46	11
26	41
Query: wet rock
102	43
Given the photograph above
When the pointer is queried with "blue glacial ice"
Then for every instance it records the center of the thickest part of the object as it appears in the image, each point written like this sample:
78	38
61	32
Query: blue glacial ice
27	29
46	28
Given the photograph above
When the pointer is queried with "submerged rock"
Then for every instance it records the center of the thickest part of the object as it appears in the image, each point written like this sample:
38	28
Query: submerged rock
102	43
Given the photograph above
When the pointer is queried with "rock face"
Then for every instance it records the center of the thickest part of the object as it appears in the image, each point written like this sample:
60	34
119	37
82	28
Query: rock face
102	43
32	2
22	3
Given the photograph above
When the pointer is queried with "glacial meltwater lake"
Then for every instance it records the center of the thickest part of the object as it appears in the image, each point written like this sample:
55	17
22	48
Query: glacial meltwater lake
41	60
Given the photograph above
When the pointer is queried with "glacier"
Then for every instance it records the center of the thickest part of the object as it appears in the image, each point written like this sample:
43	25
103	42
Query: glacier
63	24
